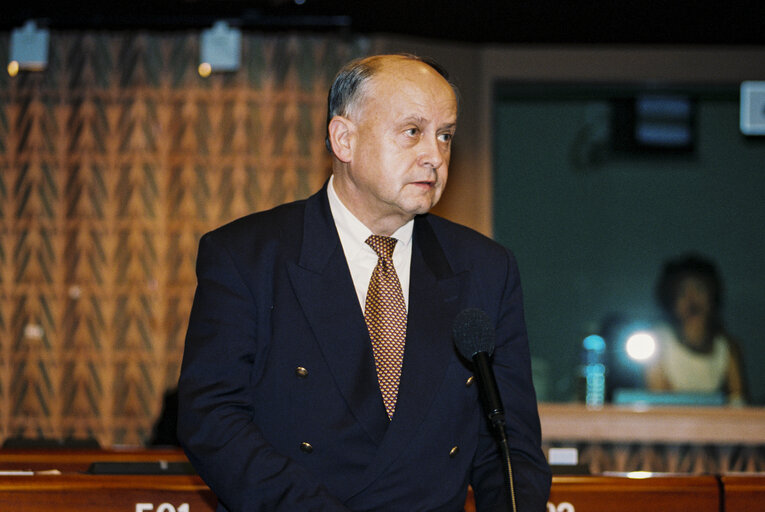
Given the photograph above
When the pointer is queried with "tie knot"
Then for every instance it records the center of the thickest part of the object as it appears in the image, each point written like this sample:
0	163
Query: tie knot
382	245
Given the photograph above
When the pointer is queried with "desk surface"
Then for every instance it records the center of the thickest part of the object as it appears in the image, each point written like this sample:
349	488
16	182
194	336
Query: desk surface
72	490
140	493
78	461
743	492
699	425
97	493
607	493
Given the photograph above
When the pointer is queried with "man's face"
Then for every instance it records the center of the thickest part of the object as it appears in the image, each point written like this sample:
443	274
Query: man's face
403	125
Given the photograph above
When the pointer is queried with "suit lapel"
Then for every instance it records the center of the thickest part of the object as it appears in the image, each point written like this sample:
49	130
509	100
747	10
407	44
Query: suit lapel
323	285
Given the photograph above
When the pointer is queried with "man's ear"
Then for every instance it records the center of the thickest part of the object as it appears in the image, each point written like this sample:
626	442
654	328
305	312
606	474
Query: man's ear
340	137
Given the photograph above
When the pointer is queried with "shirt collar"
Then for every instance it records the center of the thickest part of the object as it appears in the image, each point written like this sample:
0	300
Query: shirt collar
353	233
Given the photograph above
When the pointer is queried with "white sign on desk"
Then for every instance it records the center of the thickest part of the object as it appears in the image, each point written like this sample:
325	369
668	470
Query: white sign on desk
561	507
163	507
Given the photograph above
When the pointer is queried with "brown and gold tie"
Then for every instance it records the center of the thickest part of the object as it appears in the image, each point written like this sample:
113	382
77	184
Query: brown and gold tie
385	314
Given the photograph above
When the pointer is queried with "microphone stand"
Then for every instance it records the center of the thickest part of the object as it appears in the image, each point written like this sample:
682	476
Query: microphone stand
496	416
474	337
499	427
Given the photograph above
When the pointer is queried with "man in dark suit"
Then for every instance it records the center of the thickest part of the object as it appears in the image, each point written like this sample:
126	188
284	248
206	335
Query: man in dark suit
288	399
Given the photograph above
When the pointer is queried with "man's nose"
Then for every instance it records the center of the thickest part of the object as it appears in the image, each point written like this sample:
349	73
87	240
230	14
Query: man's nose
432	153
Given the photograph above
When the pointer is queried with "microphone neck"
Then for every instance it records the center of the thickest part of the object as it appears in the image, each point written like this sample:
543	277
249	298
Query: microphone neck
488	390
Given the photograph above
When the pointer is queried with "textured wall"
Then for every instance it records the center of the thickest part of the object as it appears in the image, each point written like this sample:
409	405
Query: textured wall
113	162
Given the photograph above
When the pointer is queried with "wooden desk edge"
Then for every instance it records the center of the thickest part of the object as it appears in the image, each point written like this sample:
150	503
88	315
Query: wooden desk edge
717	425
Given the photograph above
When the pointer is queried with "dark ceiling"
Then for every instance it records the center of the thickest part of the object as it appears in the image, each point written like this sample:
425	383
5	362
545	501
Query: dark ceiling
733	22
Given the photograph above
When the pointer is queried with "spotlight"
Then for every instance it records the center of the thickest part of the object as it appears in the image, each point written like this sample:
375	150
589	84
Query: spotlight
641	346
29	49
204	69
13	68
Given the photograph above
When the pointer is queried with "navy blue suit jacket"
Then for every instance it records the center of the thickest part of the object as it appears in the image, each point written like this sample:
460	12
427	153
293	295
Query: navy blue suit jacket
275	294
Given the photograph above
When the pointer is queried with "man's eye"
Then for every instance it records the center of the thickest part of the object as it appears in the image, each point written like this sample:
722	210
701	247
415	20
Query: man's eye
412	132
445	137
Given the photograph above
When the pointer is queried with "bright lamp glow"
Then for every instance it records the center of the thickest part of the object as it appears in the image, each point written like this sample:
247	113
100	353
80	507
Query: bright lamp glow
641	346
204	69
639	474
13	68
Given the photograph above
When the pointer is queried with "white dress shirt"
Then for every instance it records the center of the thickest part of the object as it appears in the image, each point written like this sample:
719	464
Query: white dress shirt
361	258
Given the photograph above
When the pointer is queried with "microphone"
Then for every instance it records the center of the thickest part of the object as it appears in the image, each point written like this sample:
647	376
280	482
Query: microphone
474	337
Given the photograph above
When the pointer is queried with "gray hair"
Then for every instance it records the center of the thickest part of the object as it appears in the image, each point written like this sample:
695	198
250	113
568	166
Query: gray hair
347	88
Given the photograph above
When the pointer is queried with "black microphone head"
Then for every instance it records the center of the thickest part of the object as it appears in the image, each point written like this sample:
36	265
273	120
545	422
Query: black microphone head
473	333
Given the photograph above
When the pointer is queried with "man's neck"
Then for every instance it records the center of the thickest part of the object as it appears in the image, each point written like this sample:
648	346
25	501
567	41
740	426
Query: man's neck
384	225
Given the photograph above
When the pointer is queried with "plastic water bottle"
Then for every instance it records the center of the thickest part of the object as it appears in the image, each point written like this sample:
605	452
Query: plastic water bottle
594	369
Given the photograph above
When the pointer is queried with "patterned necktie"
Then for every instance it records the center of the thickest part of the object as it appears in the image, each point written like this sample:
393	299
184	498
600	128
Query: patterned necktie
385	314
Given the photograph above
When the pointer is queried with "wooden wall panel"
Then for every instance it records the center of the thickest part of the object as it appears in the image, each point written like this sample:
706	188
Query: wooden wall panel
113	162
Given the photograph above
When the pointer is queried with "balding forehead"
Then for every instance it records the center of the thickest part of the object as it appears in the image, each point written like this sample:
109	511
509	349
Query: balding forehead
351	83
387	68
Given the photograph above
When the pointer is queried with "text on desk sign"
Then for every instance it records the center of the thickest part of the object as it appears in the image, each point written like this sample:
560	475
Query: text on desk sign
162	507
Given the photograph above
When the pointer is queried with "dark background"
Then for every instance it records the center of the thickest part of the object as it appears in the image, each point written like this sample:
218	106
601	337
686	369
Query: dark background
704	22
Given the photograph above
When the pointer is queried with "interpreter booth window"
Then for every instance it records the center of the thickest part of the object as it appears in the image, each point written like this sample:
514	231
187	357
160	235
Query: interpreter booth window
635	213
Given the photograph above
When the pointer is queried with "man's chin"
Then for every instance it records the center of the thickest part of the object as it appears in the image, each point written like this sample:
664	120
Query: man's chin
422	204
420	209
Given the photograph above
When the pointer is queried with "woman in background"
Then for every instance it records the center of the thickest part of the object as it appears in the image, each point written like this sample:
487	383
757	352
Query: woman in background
696	353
